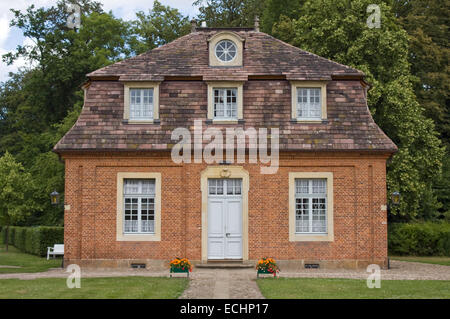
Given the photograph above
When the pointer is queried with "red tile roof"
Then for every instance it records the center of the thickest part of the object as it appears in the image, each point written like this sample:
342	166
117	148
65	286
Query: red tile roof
349	126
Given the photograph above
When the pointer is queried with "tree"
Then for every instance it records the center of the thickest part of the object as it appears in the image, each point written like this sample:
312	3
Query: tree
337	29
229	13
161	25
426	22
34	100
16	193
274	9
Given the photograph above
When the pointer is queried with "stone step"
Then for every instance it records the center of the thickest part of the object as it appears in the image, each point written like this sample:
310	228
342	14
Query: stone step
225	265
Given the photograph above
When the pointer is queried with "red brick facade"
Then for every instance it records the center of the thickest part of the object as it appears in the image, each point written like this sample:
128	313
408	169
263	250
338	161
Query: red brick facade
360	224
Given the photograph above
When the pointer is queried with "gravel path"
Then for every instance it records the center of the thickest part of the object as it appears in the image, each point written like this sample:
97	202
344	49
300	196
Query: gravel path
222	284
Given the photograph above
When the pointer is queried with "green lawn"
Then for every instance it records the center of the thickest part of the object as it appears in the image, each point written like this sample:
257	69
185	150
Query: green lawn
94	288
324	288
425	259
26	262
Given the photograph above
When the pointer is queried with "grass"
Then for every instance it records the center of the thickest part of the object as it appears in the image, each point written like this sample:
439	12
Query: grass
445	261
325	288
94	288
26	262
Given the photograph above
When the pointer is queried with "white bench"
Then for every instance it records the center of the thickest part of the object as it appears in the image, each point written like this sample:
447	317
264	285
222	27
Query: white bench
57	249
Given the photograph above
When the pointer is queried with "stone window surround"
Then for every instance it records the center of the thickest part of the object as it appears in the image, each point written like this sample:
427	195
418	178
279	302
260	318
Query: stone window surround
120	235
141	85
309	84
293	236
225	35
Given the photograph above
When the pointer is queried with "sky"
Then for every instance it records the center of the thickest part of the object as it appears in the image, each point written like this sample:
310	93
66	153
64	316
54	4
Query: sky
10	37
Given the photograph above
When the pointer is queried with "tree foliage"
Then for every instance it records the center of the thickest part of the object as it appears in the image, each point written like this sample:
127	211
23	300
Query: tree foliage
161	25
16	192
408	71
229	13
338	30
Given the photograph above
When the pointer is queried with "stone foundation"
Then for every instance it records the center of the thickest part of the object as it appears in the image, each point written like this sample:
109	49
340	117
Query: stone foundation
162	265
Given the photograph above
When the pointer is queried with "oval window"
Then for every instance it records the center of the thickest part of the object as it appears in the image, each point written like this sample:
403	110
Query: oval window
226	51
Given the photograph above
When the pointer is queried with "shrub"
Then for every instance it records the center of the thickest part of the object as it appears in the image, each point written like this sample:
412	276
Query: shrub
34	240
420	239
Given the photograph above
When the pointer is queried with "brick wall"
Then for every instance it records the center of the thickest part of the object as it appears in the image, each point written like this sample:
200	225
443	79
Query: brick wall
360	230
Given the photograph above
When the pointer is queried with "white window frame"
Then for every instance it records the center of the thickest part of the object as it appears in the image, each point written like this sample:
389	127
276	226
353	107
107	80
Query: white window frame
310	196
139	196
227	107
226	51
141	107
310	236
121	235
239	101
128	86
295	87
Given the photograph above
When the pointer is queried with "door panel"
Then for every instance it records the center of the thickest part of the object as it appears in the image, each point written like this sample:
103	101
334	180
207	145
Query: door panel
224	225
216	240
233	228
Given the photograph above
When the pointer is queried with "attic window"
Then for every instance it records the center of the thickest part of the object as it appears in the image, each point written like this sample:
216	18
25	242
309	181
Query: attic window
226	51
141	102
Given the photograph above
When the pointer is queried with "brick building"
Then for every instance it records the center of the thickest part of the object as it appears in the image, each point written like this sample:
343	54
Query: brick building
127	201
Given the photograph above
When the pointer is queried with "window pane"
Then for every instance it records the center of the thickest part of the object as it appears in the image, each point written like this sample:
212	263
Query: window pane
225	103
141	104
319	215
301	186
309	103
319	186
302	215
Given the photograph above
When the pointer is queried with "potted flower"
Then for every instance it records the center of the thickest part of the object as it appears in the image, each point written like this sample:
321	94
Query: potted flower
267	266
180	265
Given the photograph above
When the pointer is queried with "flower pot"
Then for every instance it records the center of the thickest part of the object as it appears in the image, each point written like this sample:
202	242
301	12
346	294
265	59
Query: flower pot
178	270
266	272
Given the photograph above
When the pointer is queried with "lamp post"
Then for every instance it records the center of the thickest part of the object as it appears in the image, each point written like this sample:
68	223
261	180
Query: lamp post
395	198
54	198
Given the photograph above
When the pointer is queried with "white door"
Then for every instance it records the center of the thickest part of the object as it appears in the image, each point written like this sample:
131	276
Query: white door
225	219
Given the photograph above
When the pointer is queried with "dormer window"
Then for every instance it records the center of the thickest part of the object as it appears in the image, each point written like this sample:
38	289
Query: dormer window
309	101
225	103
309	104
141	102
226	51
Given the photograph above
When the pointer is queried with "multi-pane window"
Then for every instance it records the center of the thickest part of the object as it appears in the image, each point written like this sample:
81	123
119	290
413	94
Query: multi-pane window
225	103
226	51
310	205
139	201
232	186
141	104
309	104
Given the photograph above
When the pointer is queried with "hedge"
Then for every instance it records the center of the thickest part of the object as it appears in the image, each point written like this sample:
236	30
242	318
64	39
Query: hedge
33	240
419	239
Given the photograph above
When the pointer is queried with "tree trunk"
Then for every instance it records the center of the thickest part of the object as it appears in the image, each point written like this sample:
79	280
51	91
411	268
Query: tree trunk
6	239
